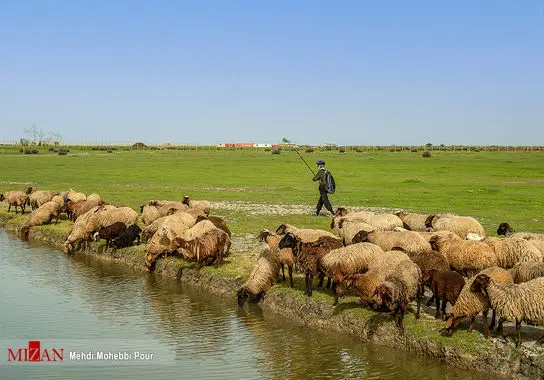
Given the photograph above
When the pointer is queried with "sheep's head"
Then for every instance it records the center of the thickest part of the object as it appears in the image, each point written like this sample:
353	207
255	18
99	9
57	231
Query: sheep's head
384	294
263	235
135	228
360	237
344	285
281	229
341	211
480	284
142	209
96	236
186	200
178	242
429	221
2	197
288	241
505	229
452	324
333	222
150	261
243	295
427	275
153	203
30	190
67	248
434	241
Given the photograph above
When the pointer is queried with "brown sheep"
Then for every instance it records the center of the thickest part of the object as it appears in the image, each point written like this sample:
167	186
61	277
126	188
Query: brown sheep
308	256
203	241
446	287
527	271
217	221
15	198
413	222
262	276
42	215
460	225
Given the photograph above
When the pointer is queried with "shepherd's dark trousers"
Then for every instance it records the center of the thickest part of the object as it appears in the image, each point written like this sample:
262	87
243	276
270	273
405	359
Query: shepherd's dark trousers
323	200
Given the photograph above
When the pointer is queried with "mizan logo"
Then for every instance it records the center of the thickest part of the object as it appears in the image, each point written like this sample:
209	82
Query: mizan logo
34	353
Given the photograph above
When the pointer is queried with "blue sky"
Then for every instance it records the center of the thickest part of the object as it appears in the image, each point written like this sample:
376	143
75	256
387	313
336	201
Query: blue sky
349	72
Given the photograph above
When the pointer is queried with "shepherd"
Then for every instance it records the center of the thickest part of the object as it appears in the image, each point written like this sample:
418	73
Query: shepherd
326	187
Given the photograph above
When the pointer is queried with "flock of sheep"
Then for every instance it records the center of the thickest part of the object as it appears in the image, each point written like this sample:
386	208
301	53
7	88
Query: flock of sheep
385	259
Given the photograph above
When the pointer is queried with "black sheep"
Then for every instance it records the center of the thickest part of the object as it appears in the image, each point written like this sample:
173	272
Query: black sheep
127	238
110	232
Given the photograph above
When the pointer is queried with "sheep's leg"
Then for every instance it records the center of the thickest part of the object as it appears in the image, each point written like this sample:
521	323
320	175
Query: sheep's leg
9	207
321	277
499	327
335	299
518	330
419	296
487	333
283	272
444	302
309	281
471	323
291	283
492	324
329	282
437	313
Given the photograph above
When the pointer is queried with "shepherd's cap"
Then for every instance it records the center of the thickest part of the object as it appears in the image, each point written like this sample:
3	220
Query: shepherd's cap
320	162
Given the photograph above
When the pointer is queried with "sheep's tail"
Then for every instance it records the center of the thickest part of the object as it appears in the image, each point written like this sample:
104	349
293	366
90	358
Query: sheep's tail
24	232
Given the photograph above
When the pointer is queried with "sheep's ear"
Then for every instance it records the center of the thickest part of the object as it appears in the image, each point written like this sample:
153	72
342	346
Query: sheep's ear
332	223
429	221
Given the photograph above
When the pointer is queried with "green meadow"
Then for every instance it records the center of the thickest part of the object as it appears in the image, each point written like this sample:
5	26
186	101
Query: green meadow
493	187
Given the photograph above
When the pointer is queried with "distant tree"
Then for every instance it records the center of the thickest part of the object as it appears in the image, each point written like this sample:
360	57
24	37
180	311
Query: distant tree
428	145
285	140
34	134
54	138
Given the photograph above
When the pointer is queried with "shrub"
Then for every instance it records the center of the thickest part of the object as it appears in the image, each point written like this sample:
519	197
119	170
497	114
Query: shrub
28	151
342	150
267	149
426	154
309	150
51	148
62	153
34	151
21	150
276	151
110	151
413	150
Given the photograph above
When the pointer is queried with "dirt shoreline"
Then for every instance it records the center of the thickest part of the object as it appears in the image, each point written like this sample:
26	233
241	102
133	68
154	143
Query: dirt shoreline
422	337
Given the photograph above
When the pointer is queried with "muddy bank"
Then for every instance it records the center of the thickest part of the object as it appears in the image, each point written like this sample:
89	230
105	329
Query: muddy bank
423	337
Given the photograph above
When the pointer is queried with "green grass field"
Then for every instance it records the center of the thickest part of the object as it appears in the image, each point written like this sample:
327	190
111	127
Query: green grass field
491	186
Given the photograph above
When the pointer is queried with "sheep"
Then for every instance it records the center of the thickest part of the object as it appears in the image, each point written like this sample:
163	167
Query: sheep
413	222
409	241
74	196
465	256
42	215
536	239
107	217
306	235
110	232
359	215
511	251
167	228
527	271
93	197
513	302
150	230
347	229
79	232
160	203
364	285
308	255
446	287
171	208
285	255
203	205
460	225
351	259
262	276
149	214
401	286
470	304
15	198
76	209
202	241
384	222
39	197
127	237
217	221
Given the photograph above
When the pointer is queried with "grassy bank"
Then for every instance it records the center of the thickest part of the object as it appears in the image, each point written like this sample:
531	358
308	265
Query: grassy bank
423	336
491	186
